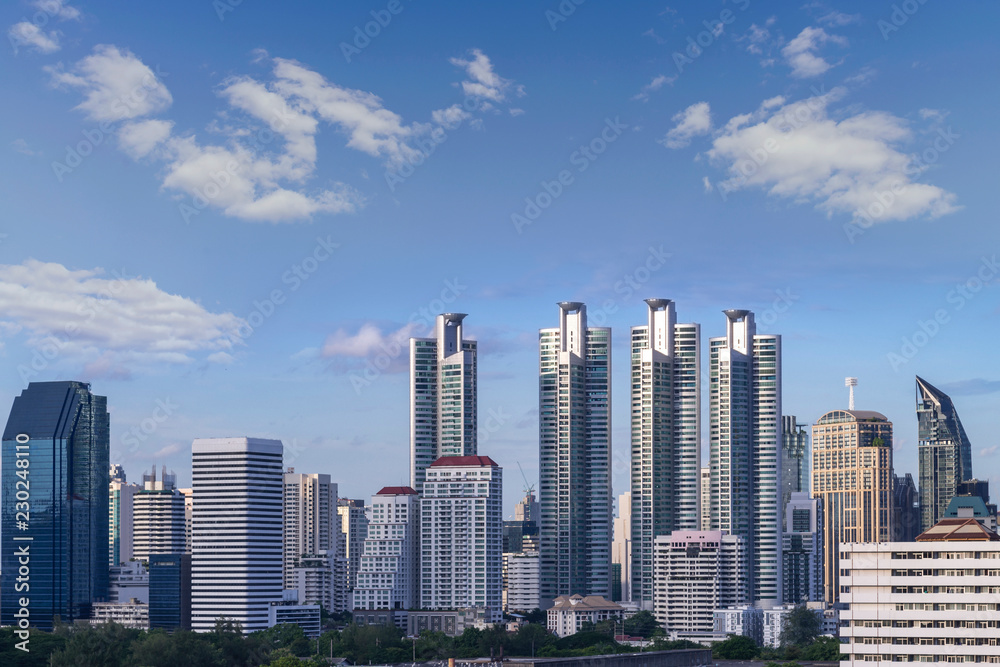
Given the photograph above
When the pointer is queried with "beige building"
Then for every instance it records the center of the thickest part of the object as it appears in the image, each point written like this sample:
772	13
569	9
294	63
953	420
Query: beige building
569	612
852	473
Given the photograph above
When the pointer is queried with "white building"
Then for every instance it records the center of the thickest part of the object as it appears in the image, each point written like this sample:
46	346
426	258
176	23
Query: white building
802	549
461	523
569	612
353	531
936	600
120	512
442	396
523	579
666	436
158	524
745	446
389	575
574	428
133	614
290	611
706	498
312	526
743	620
127	581
236	564
697	572
621	546
188	512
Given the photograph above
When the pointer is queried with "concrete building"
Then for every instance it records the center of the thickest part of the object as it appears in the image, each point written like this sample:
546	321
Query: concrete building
574	422
706	498
353	531
935	600
442	396
158	524
120	512
460	547
802	549
666	436
127	581
236	564
569	612
290	611
742	620
745	444
188	513
621	546
311	522
389	576
852	475
795	464
523	576
133	614
697	572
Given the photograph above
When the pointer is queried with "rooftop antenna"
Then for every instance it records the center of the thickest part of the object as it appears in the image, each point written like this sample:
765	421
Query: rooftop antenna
851	383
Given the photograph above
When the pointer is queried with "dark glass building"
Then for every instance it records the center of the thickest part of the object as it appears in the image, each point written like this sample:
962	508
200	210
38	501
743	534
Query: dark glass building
945	453
54	495
170	591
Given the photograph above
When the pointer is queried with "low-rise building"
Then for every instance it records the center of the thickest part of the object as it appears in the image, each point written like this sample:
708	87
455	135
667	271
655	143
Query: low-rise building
743	620
569	612
129	580
132	614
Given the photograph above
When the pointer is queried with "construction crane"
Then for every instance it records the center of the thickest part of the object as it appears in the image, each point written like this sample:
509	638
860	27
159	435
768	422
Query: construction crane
528	488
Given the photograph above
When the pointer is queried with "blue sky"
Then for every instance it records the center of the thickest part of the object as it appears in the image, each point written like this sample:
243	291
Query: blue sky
221	215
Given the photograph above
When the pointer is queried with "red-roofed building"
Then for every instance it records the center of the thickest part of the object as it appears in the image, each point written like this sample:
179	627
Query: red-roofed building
464	461
389	568
396	491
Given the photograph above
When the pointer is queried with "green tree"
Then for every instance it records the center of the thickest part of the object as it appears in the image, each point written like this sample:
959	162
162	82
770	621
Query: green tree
106	645
737	647
158	649
800	627
823	649
642	624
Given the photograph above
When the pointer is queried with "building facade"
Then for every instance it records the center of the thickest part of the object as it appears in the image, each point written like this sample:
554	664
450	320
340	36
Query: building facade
236	564
621	548
389	574
744	444
170	591
159	525
852	475
568	613
666	436
574	421
55	455
944	452
461	514
795	464
120	515
522	581
312	525
442	396
802	549
353	532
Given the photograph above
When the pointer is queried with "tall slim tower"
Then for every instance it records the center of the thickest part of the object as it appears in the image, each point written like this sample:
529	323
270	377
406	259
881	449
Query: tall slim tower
159	525
745	441
945	453
312	525
120	514
666	436
794	459
442	396
574	452
236	531
55	456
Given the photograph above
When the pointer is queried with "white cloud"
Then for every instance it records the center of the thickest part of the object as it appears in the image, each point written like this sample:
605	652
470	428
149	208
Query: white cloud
800	52
58	8
654	85
451	117
838	19
140	138
21	146
798	151
483	81
694	120
108	324
117	85
348	350
29	35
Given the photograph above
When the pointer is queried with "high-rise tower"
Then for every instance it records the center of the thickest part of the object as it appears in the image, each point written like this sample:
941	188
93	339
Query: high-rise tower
666	436
944	450
745	442
312	525
574	452
442	396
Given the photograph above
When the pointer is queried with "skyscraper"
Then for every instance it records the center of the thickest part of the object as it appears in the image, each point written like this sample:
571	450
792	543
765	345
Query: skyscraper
120	515
745	439
159	526
574	422
312	525
236	564
353	531
794	458
802	549
461	514
56	448
442	396
852	475
666	436
944	450
621	548
389	575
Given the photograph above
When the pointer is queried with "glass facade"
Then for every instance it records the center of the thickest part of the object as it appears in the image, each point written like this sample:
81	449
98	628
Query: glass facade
54	504
170	591
945	453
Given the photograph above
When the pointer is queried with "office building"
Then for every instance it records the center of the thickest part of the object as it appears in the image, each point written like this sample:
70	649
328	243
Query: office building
127	581
696	573
621	549
188	513
312	525
288	611
666	436
744	444
442	396
389	574
120	513
522	582
170	591
852	475
236	563
935	600
795	464
905	509
944	451
56	446
461	514
574	422
353	531
159	526
802	549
